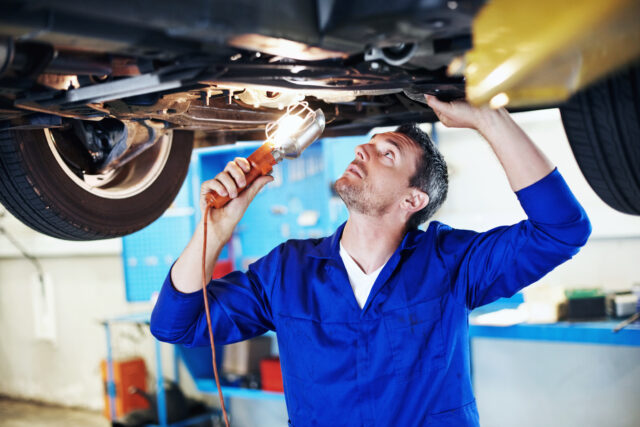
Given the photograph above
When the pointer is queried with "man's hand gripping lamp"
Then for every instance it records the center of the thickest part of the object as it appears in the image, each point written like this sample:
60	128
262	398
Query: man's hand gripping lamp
286	138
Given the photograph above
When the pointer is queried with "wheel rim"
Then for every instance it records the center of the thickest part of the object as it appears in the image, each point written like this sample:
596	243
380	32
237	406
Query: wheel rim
124	182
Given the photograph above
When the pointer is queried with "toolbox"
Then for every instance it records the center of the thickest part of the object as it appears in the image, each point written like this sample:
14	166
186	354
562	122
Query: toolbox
128	375
585	304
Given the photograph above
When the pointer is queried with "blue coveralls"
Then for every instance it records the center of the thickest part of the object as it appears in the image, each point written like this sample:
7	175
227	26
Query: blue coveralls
403	360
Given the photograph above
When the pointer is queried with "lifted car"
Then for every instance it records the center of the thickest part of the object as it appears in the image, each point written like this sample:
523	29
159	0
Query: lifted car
100	101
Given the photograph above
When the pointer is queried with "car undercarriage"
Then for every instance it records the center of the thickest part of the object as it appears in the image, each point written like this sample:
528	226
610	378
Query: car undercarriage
107	89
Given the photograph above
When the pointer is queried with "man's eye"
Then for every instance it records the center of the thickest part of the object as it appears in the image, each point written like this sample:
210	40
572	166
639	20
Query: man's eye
389	154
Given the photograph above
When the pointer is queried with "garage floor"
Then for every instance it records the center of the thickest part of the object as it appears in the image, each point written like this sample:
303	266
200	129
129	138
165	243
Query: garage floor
17	413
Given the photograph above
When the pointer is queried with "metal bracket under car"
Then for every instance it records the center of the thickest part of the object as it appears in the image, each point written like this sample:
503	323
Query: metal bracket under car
113	143
73	103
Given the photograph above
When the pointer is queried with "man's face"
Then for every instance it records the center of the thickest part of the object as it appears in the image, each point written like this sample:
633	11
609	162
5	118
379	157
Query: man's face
379	175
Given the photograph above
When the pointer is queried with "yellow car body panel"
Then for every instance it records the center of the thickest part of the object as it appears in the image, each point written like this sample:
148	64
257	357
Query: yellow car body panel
540	52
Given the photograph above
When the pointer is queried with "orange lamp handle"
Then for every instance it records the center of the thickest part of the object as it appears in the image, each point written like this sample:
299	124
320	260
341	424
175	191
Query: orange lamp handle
261	162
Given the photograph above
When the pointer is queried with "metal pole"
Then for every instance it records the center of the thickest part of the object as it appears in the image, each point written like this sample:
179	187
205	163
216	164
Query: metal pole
162	407
111	386
176	364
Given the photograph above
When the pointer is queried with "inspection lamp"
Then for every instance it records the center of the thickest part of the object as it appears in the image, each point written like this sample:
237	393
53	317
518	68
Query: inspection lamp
286	137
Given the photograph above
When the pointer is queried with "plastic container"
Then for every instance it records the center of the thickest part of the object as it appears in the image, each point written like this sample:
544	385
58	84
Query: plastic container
271	374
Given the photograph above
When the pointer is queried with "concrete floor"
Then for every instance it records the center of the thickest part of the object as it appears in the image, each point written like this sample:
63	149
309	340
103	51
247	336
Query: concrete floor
18	413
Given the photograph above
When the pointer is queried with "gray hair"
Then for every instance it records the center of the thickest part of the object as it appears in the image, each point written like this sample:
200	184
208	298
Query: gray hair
431	174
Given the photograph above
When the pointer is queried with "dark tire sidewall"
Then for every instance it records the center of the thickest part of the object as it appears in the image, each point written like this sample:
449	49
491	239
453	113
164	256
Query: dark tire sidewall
94	216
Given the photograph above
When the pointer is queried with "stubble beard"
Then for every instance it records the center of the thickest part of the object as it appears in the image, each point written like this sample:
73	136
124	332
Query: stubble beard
359	198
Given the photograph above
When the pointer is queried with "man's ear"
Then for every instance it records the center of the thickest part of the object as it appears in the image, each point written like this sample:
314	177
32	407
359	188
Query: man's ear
415	200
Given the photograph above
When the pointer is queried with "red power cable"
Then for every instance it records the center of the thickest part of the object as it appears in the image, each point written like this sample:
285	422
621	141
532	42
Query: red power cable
208	315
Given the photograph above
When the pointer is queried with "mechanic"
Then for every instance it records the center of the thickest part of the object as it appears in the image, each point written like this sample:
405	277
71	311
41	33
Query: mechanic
372	322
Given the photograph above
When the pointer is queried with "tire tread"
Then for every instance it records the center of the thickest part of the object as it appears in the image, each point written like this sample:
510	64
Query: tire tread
602	125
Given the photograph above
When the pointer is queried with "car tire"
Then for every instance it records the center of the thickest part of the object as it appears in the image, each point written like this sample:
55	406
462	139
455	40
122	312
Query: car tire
37	189
603	127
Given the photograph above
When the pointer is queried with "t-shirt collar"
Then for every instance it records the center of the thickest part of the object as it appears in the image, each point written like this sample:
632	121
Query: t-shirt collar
329	247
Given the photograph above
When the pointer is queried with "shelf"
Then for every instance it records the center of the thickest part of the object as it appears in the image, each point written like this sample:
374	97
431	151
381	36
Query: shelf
596	332
585	332
209	386
139	318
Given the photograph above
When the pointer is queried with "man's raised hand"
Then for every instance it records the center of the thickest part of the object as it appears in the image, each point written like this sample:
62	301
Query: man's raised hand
459	114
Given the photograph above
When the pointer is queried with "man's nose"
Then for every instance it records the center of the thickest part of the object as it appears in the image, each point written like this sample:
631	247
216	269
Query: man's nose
361	152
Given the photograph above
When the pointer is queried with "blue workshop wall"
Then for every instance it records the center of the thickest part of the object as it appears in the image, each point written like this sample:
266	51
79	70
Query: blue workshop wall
148	254
299	204
294	206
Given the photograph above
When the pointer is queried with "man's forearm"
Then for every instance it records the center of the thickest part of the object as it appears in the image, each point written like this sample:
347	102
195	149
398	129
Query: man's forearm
522	161
186	274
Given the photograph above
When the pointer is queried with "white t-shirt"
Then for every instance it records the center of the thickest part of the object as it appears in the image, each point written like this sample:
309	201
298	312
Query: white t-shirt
361	283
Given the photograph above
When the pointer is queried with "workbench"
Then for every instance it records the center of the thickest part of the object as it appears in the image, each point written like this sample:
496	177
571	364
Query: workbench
564	373
587	332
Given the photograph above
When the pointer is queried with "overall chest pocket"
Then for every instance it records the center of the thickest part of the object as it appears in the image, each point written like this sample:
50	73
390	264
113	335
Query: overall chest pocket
415	335
318	351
